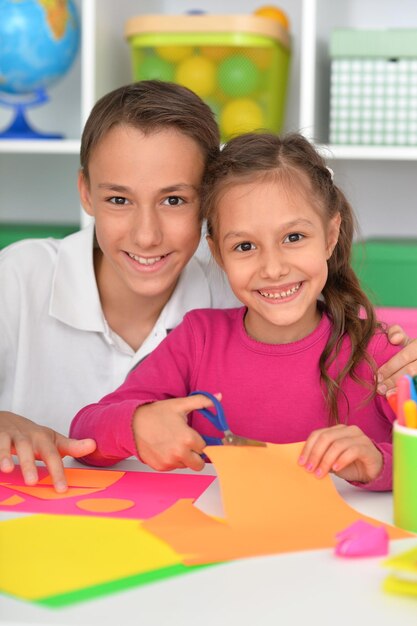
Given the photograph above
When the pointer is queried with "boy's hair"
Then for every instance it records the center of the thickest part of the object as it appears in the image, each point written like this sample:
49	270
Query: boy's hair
151	105
292	158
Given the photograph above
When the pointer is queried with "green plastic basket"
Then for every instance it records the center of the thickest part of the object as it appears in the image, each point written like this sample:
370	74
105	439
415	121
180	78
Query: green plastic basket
238	64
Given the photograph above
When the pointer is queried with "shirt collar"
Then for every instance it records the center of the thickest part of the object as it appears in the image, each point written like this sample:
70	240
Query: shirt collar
74	298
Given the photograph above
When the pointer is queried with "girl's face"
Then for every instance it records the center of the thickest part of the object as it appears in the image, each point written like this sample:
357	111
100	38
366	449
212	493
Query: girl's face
144	195
273	246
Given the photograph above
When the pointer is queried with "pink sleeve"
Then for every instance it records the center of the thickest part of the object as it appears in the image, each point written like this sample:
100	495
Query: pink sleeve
166	373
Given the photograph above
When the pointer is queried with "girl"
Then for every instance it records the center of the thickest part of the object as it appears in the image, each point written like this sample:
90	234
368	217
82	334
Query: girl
296	362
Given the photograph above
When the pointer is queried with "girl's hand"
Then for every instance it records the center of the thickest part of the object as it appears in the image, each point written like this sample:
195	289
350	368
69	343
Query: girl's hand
344	450
404	362
164	440
30	441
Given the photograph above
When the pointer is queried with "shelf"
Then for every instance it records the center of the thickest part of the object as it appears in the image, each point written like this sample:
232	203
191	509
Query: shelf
40	146
368	153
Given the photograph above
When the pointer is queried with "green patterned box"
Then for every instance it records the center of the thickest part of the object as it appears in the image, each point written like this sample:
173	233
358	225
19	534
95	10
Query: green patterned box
373	87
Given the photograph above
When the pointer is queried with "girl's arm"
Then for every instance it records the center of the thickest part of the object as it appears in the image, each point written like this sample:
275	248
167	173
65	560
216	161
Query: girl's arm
165	374
403	362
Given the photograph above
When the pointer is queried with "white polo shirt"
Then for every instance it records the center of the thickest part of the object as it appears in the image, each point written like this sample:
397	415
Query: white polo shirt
57	351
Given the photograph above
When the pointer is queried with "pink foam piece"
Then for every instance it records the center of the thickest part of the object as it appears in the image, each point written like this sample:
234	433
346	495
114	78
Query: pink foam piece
407	318
361	539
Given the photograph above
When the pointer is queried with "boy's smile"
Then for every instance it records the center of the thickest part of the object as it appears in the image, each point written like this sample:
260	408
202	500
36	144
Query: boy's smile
143	192
274	248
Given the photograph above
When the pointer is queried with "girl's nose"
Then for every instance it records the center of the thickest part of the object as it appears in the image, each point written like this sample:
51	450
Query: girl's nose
146	229
273	264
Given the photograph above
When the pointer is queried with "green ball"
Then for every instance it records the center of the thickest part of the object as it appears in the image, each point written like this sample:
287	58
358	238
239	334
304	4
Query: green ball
155	68
238	76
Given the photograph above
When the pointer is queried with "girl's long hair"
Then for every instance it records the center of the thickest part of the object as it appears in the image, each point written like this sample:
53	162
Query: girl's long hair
293	159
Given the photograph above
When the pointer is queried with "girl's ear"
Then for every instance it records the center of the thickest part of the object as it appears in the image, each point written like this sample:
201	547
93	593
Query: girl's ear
214	251
333	234
85	196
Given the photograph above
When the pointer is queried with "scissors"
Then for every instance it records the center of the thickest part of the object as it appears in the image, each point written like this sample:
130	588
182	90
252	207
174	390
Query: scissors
218	419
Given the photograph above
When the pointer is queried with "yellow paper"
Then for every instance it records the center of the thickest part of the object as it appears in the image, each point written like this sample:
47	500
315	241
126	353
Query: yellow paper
271	505
403	577
44	555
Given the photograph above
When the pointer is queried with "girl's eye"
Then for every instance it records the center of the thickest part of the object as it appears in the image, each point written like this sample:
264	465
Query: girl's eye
118	200
173	201
293	238
246	246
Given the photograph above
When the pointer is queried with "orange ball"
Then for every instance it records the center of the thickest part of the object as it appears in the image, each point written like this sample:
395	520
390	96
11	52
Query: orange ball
273	13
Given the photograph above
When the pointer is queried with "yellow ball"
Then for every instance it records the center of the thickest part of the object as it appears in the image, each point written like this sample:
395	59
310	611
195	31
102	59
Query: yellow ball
241	116
198	74
173	54
273	13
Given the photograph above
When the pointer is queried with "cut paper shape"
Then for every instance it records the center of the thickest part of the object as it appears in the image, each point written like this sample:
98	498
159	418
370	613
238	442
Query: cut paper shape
151	492
362	539
79	477
12	501
271	504
49	493
104	505
403	577
48	555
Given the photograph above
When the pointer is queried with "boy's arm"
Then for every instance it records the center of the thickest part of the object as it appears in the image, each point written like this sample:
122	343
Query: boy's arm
403	362
166	373
30	441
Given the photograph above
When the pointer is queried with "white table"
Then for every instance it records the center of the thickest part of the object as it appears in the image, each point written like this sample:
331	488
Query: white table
304	588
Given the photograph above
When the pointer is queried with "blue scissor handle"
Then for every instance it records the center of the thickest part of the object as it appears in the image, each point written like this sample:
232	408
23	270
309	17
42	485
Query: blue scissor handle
218	418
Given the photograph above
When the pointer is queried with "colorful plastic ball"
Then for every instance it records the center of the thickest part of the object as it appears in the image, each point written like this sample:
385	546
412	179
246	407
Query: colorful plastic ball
173	54
155	68
262	57
241	116
238	76
215	53
198	74
273	13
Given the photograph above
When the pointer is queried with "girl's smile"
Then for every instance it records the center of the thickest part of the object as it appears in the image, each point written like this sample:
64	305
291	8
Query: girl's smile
274	247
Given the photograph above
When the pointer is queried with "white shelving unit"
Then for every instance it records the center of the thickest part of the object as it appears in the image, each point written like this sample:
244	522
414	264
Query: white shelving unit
38	179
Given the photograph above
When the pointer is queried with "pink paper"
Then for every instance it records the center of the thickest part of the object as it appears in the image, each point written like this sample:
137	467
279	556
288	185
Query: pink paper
151	492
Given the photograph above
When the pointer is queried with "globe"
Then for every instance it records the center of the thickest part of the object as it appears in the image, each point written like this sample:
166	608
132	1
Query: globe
39	40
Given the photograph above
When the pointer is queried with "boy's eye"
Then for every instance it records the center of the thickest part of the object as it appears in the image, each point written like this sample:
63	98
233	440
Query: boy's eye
118	200
246	246
293	238
173	201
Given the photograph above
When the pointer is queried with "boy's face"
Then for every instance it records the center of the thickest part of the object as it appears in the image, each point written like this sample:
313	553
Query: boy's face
274	248
144	195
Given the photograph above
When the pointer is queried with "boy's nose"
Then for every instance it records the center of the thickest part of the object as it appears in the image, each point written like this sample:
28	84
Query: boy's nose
146	229
273	265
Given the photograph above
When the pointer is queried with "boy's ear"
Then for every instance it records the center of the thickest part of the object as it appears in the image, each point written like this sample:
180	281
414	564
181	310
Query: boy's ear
333	234
214	251
84	191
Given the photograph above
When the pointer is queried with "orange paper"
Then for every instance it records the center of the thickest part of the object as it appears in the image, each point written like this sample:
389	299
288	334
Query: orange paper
271	505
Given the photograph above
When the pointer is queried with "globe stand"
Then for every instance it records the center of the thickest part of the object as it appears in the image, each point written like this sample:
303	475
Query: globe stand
20	128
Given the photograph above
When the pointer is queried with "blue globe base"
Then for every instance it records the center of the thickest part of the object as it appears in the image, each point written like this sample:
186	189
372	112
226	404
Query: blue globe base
20	128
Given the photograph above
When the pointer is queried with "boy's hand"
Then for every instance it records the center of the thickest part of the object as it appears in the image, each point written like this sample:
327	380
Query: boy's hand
30	441
405	362
163	438
344	450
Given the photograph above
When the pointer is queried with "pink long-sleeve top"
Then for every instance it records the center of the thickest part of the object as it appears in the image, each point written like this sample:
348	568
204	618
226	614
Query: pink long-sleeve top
269	392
